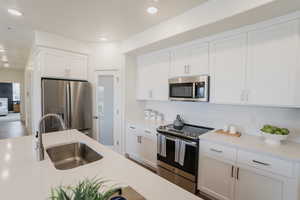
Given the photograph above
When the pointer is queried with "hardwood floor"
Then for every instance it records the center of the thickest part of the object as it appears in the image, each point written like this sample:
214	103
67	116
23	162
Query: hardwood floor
12	129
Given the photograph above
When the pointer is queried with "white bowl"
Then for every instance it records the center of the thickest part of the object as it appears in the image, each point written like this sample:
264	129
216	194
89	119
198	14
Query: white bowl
273	139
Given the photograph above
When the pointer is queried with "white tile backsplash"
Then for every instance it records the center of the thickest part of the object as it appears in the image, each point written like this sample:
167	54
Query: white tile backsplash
248	119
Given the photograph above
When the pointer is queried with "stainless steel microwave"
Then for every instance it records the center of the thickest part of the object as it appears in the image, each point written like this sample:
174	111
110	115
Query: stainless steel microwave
192	88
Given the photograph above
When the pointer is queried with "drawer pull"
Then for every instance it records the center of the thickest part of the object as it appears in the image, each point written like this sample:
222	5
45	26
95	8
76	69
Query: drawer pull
215	150
232	169
132	127
261	163
149	132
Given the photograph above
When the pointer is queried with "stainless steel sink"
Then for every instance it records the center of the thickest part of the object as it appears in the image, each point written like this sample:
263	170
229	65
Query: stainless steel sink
68	156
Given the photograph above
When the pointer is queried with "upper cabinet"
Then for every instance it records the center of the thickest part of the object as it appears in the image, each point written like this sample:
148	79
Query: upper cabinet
228	70
152	76
273	65
190	60
65	65
256	67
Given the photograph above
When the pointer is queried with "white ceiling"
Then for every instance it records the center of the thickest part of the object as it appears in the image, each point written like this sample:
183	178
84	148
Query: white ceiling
85	20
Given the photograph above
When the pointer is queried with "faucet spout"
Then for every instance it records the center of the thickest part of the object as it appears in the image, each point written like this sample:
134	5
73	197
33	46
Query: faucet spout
39	137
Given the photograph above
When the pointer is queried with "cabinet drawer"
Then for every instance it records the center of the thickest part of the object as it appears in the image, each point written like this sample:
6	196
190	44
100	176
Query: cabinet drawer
218	151
266	163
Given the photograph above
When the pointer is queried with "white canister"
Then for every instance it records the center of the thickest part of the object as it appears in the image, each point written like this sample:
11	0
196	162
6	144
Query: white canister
232	130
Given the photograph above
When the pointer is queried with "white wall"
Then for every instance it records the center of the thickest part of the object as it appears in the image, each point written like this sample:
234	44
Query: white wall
248	119
13	75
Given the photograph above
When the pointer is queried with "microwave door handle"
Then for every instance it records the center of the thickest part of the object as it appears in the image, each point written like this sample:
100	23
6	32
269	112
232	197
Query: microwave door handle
194	90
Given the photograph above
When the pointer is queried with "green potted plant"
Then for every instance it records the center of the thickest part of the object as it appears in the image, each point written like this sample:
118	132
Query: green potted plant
88	189
274	135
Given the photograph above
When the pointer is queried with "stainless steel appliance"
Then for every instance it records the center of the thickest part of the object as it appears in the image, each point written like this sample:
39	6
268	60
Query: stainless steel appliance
72	100
3	106
178	152
192	88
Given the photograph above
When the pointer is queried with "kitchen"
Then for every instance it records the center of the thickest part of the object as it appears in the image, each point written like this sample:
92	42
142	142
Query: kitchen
235	72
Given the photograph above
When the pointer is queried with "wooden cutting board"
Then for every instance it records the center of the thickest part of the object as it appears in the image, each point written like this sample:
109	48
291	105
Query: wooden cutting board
130	194
228	134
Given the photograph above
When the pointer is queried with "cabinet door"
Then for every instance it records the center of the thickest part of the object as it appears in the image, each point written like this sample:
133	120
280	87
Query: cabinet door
190	61
54	64
178	62
251	185
152	76
215	178
272	64
228	70
132	142
198	59
77	64
149	151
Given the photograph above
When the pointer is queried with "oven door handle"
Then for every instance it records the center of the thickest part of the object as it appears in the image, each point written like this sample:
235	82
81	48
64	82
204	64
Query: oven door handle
193	144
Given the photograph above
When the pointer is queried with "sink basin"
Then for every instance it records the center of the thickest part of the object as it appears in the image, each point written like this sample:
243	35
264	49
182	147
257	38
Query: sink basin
68	156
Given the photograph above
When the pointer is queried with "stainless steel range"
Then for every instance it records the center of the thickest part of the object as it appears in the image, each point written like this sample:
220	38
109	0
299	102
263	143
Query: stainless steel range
178	151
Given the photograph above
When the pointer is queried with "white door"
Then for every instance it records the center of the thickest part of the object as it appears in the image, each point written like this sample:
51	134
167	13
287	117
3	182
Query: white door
178	62
149	148
272	63
191	60
216	178
54	64
228	70
78	66
132	142
108	109
251	185
153	72
198	59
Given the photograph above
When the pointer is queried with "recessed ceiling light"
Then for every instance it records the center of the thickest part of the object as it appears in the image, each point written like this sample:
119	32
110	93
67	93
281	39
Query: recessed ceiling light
6	65
152	10
103	39
14	12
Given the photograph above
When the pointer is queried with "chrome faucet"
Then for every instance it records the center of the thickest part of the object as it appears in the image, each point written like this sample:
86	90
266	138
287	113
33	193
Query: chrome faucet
39	145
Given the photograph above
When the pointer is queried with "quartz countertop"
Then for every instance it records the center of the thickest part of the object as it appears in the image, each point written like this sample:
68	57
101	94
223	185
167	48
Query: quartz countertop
287	150
23	177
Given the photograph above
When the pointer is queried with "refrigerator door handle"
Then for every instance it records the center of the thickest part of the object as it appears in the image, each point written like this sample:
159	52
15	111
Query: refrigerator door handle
68	111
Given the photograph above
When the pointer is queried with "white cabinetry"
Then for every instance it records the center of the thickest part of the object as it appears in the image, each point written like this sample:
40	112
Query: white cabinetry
152	76
251	185
216	179
228	70
61	64
141	144
227	173
190	60
273	63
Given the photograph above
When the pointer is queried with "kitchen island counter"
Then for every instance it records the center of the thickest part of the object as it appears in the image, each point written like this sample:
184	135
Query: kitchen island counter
23	177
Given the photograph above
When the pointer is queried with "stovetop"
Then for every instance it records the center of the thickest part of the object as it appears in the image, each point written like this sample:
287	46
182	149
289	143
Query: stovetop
188	131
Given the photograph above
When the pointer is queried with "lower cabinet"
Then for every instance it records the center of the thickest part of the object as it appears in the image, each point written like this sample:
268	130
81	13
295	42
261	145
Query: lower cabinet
141	145
216	178
234	177
251	185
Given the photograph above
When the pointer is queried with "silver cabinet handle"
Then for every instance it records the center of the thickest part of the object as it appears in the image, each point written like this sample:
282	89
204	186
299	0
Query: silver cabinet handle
146	131
188	70
131	127
215	150
261	163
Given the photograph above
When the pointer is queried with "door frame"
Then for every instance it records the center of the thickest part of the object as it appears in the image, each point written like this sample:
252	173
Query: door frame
117	125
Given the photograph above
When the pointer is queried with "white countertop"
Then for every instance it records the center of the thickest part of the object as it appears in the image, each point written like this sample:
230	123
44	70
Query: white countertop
287	150
22	177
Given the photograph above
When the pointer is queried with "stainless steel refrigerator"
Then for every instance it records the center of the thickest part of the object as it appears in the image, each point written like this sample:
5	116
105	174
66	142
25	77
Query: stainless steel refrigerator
70	99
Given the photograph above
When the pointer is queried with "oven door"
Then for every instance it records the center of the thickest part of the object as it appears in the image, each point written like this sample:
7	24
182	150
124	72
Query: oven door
190	162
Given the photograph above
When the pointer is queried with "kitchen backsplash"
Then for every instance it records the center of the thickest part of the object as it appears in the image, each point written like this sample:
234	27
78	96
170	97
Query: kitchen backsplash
248	119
